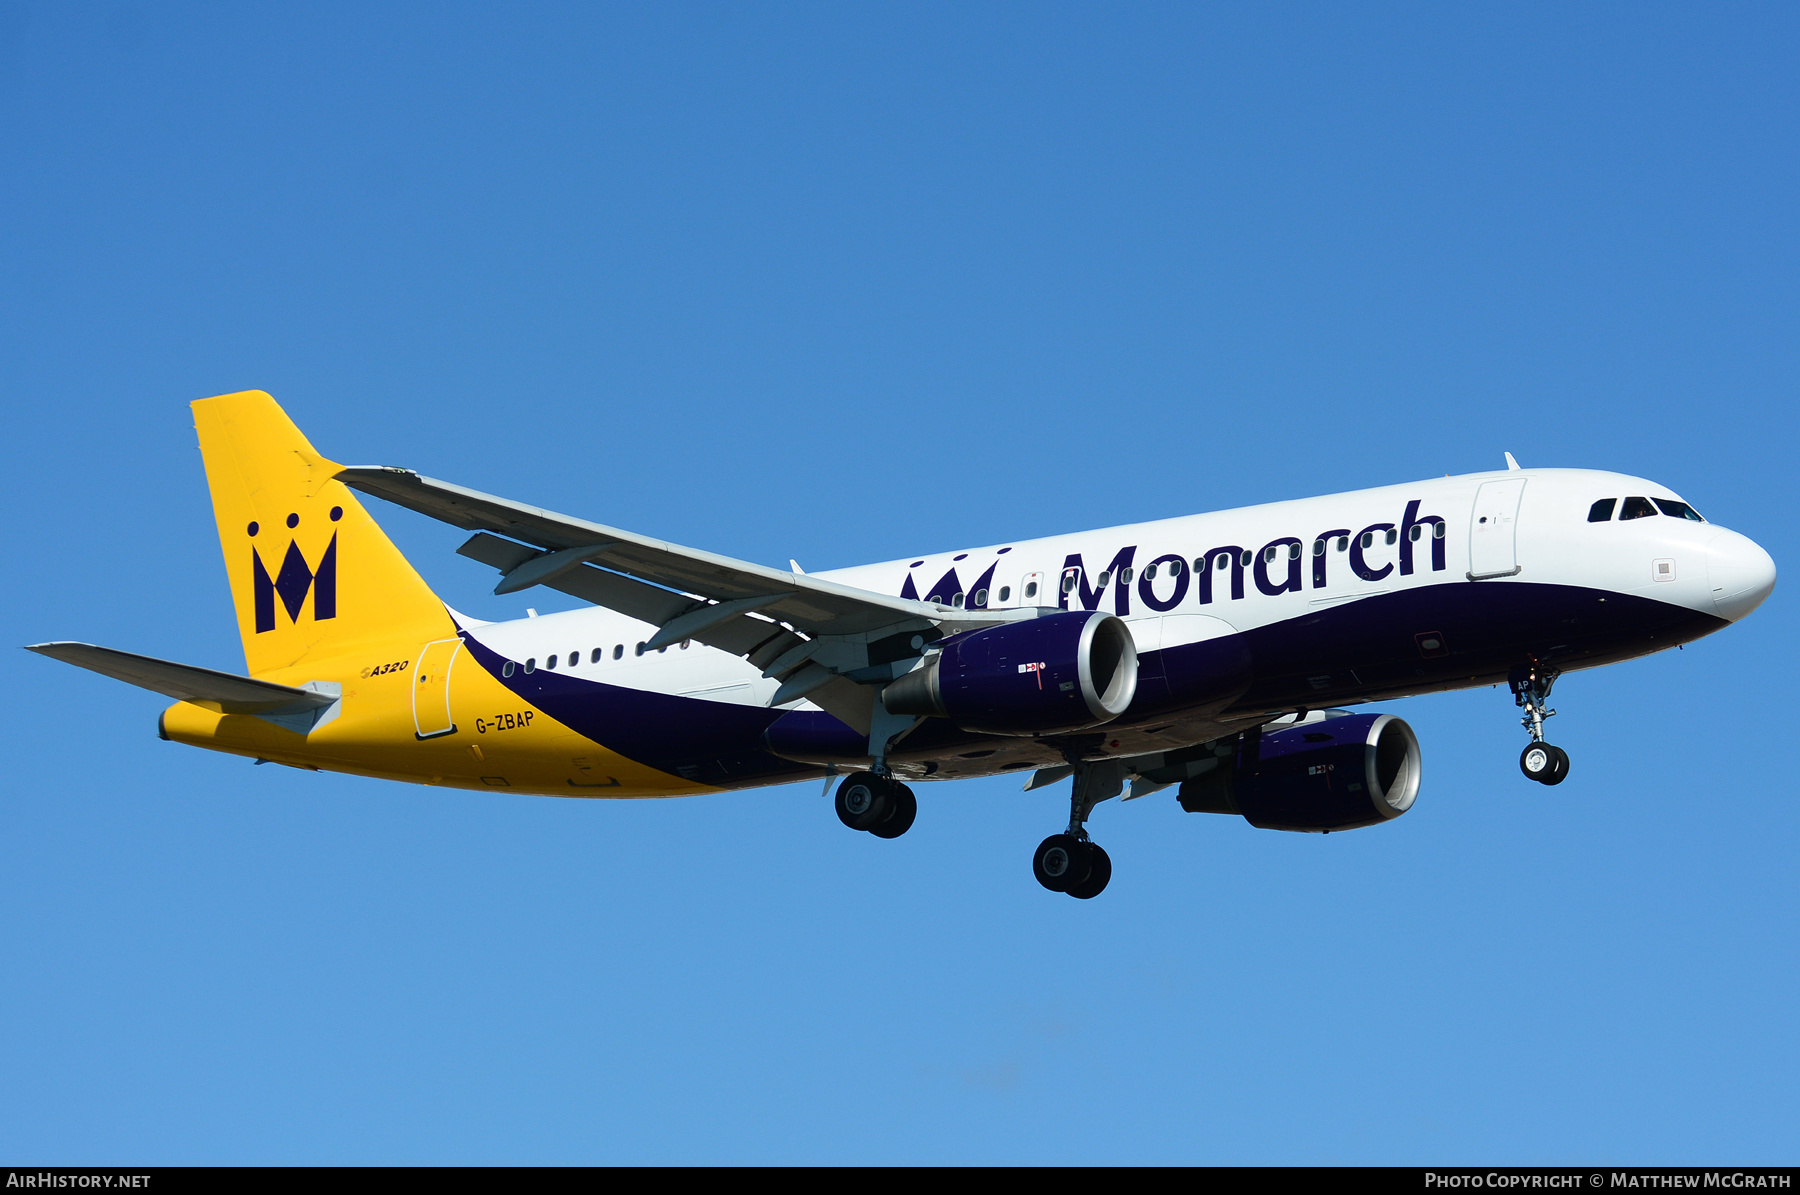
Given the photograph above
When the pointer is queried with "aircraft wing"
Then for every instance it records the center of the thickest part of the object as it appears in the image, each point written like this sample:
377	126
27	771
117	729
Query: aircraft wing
809	630
231	693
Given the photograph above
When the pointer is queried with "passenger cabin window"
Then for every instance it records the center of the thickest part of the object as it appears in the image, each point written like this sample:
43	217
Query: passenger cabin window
1601	511
595	658
550	661
1005	592
1679	510
531	666
574	658
1031	589
506	669
618	651
1636	508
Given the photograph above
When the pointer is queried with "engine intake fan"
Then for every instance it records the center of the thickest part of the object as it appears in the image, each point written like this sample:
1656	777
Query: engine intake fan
1335	774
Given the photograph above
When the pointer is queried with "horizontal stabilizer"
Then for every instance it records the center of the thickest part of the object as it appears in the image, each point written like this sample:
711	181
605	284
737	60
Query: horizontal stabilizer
184	682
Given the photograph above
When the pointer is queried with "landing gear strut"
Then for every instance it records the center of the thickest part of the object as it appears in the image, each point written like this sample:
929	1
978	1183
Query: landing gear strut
1539	761
879	804
1069	862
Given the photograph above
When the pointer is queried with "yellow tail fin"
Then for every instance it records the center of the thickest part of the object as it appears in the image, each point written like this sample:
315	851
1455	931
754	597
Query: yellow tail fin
311	573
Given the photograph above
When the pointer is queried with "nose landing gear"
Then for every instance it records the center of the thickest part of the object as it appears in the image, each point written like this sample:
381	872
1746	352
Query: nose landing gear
1069	862
1540	761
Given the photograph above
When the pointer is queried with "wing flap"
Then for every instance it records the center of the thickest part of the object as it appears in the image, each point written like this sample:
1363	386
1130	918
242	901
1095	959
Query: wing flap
734	631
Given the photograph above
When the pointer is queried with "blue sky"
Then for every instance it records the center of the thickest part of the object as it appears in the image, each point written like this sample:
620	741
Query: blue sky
845	283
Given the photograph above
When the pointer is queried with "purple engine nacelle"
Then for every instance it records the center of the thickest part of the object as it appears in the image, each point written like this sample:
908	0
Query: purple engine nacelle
1335	774
1054	673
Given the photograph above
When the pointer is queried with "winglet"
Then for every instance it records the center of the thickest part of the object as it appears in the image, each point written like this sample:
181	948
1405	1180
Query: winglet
1511	464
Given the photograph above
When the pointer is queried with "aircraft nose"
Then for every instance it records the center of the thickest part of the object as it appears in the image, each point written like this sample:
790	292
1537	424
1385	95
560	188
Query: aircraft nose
1740	572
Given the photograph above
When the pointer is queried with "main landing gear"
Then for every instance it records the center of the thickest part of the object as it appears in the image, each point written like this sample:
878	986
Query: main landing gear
1539	761
1069	862
879	804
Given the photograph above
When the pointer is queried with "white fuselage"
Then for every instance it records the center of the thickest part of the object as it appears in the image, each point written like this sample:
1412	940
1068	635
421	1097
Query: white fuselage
1538	534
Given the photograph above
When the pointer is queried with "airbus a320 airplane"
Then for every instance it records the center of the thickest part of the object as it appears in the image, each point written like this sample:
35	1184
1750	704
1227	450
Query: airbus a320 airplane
1206	653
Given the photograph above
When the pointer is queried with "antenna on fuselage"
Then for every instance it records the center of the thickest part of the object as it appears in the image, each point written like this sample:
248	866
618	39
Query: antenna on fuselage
1510	463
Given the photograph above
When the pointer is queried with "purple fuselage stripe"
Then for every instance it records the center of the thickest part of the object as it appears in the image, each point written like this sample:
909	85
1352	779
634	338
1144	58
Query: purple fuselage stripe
1365	650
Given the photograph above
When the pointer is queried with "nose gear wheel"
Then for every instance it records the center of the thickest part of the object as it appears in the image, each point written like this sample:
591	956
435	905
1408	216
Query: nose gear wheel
1544	763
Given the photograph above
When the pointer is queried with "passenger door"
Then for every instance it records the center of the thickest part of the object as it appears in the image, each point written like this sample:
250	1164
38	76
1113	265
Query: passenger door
431	688
1493	550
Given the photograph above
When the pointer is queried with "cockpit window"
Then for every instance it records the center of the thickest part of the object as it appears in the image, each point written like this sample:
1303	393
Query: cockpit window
1679	510
1601	511
1636	508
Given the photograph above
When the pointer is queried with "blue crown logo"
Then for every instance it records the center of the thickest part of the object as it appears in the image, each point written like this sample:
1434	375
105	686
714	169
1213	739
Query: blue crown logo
295	580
